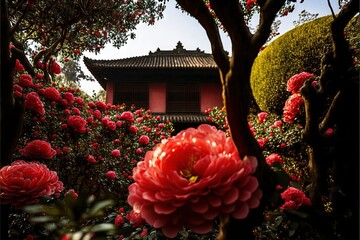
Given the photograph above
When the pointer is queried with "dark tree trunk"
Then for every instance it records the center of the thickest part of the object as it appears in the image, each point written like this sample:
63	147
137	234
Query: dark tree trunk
11	110
334	160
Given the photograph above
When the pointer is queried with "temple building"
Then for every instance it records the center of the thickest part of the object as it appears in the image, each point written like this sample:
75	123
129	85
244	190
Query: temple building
177	84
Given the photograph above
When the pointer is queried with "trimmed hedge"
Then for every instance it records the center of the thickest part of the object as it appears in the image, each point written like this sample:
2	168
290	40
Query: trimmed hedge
298	50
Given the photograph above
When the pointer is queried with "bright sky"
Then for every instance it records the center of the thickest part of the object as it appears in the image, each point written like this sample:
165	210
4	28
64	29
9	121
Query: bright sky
177	26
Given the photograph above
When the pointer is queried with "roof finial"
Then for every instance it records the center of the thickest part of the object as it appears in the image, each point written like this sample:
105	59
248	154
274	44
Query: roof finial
179	47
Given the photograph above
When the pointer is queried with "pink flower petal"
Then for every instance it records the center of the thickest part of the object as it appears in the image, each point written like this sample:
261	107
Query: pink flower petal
241	211
200	207
171	231
231	196
162	208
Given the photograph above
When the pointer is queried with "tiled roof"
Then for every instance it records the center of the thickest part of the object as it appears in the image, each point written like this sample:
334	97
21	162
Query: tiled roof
184	118
178	58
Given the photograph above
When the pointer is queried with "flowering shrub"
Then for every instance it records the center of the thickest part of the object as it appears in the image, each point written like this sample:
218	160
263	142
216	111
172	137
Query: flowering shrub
191	179
90	146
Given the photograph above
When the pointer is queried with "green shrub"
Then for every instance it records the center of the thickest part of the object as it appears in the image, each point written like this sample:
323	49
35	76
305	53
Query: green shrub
296	51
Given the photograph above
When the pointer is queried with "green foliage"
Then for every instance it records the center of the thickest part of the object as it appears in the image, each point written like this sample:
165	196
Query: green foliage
296	51
43	29
73	217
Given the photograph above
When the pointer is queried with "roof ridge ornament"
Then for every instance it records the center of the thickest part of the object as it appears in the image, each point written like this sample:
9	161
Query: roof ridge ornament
179	48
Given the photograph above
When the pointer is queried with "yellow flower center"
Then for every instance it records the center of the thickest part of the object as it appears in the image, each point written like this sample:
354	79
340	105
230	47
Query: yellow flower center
186	173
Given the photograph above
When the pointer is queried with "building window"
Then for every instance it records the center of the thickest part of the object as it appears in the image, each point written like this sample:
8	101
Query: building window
130	93
183	98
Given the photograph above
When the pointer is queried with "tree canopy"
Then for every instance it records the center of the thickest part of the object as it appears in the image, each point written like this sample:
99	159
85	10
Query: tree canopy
44	28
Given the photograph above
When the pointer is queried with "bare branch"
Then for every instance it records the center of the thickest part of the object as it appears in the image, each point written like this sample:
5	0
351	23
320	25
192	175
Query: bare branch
268	10
231	16
199	11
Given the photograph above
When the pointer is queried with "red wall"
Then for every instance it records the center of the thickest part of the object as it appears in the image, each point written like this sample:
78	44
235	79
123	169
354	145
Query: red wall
210	96
109	92
157	97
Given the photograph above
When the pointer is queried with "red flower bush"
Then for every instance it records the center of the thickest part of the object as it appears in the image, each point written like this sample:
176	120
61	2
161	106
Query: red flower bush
295	82
192	178
38	149
24	182
294	198
292	107
77	123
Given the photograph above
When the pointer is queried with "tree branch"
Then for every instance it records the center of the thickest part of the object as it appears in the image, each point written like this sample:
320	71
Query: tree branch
198	10
268	11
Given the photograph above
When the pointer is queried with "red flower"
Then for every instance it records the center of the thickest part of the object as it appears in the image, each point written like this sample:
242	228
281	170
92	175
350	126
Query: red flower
295	82
192	178
77	123
110	175
91	159
105	121
278	123
39	76
33	102
119	220
127	115
52	93
272	158
24	182
144	140
55	68
69	97
115	153
18	66
76	111
97	114
294	198
262	117
111	125
38	149
133	129
292	107
72	193
101	105
144	232
135	218
25	80
329	132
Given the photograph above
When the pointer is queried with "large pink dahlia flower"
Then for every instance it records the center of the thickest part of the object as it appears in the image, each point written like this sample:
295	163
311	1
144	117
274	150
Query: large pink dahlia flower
191	179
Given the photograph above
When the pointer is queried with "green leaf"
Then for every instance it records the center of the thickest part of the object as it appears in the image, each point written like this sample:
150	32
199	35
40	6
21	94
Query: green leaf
42	219
98	208
107	227
33	209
